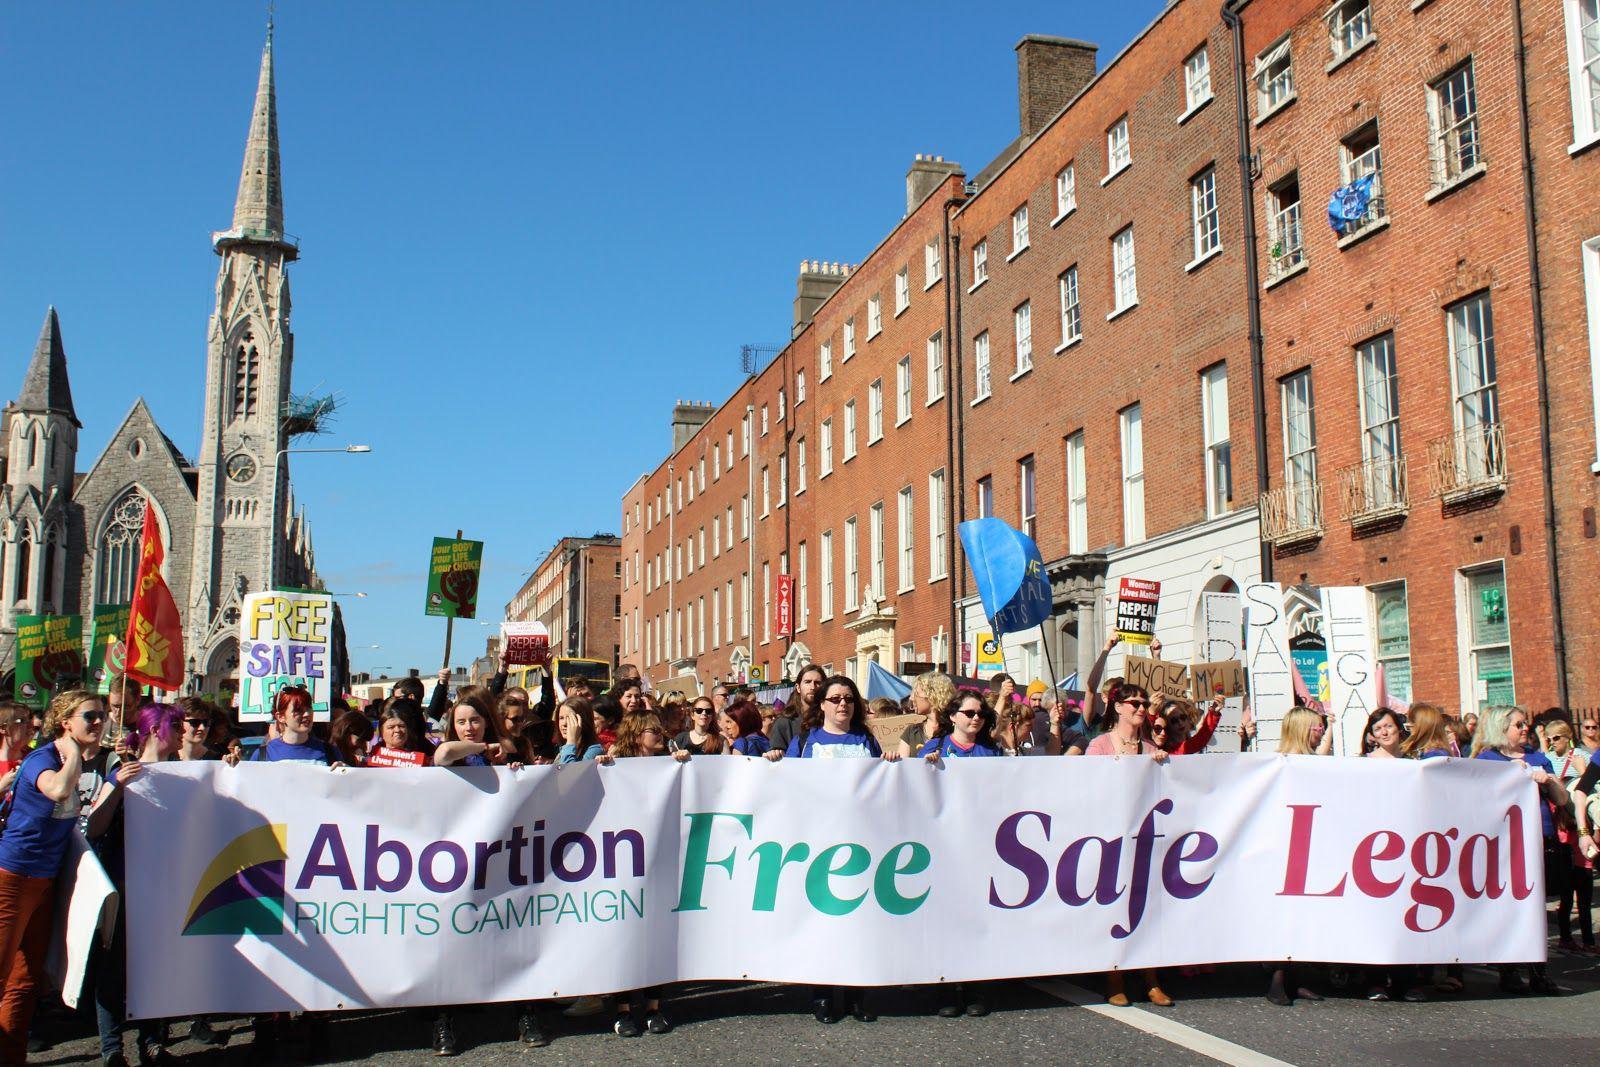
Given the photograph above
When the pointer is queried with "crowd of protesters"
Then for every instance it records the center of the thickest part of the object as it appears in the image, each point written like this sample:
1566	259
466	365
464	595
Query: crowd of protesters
67	772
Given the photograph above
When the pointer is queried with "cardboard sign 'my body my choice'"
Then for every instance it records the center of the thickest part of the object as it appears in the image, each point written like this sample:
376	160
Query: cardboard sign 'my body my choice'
285	639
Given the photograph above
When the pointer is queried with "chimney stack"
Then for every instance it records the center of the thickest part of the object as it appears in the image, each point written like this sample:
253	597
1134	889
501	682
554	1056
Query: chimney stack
817	282
1050	72
926	174
687	417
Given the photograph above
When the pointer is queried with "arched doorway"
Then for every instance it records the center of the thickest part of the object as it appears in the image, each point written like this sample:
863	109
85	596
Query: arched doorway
222	667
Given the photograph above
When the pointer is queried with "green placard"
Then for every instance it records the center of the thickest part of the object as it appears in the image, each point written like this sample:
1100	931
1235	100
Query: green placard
105	645
49	656
453	578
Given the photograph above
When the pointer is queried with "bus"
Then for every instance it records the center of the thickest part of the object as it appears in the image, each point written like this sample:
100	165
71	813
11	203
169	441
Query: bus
598	671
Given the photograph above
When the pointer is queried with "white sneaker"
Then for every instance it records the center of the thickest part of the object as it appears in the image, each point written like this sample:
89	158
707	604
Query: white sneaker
585	1006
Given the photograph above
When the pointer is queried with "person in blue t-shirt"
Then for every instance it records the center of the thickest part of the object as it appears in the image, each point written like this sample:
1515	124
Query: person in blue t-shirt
1503	735
47	804
740	723
836	728
965	729
472	733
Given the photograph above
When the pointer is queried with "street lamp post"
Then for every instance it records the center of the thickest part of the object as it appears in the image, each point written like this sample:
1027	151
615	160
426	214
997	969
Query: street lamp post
277	488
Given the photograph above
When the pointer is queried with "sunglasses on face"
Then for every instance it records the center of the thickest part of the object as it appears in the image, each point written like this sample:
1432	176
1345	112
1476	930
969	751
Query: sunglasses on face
846	699
514	702
93	717
197	724
1158	728
1135	703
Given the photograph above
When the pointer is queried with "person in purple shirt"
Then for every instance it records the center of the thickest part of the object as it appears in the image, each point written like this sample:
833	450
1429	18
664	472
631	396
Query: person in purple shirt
965	726
1503	735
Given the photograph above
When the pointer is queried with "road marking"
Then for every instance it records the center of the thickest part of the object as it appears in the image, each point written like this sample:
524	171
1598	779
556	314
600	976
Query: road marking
1155	1025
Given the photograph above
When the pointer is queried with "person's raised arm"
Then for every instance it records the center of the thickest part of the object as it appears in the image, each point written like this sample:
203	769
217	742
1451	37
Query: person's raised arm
439	702
450	752
1197	741
58	785
1093	707
497	684
547	694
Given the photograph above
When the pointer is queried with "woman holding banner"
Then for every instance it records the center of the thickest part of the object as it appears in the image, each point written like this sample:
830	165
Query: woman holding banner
472	733
964	729
640	734
931	693
1126	736
836	728
702	737
1503	736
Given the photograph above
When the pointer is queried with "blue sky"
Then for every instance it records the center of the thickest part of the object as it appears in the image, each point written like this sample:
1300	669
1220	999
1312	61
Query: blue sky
526	230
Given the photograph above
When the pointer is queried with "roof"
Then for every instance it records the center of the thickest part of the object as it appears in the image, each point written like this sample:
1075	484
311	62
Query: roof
45	387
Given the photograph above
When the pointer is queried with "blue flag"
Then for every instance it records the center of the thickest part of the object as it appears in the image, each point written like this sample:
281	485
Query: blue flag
881	683
1348	204
1009	573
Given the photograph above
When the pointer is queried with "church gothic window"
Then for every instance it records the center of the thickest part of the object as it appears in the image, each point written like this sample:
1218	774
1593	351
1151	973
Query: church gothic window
118	550
246	377
24	562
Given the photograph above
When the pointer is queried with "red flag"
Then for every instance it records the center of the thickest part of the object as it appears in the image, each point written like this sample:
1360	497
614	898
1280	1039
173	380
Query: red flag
155	630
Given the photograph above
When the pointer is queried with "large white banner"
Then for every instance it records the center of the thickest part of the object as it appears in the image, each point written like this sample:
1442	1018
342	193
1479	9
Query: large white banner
270	887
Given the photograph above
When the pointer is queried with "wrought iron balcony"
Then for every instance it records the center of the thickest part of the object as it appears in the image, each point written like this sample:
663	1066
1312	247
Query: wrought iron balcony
1374	491
1292	514
1469	463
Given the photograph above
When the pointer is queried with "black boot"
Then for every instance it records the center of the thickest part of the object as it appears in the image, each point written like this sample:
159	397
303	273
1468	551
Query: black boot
444	1035
528	1029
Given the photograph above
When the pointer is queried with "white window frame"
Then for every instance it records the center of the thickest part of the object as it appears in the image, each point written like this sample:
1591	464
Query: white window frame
932	264
1119	152
825	460
935	355
1454	150
1131	421
744	437
1354	165
1066	193
1284	232
1349	28
1206	217
1591	288
1378	405
1196	81
937	546
875	412
799	386
825	562
1274	78
902	290
1077	495
744	515
1475	402
984	497
1470	648
825	360
905	538
1028	496
800	466
982	383
1071	307
783	478
1022	337
852	573
1019	232
849	339
902	391
875	548
1218	451
849	430
980	263
1582	19
802	607
1124	272
874	315
1298	401
766	491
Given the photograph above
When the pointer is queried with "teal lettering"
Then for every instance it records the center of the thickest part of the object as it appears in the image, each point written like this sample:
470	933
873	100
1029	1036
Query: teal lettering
771	858
855	860
697	856
455	917
890	899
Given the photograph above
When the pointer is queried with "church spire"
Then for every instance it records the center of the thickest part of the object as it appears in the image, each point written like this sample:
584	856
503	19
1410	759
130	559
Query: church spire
46	388
258	211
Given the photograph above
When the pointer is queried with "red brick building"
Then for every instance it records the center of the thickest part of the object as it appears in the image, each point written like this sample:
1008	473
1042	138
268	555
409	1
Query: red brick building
1420	388
1403	363
576	592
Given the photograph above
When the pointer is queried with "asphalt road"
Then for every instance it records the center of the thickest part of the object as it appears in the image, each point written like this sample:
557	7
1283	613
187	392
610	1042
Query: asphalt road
1218	1017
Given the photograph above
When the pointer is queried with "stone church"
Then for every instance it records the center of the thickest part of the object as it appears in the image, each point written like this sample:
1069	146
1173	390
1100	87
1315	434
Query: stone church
70	540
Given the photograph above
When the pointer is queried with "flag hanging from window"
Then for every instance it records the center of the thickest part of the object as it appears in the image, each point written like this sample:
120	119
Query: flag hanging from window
1348	204
155	630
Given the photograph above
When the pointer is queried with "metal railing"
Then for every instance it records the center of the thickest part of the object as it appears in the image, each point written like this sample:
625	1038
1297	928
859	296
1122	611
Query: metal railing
1469	462
1374	490
1286	247
1292	513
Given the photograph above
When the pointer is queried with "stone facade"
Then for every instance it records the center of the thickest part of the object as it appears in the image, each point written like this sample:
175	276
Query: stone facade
228	521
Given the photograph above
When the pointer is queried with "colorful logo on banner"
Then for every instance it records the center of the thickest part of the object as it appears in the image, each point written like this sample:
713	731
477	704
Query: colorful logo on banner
49	657
242	890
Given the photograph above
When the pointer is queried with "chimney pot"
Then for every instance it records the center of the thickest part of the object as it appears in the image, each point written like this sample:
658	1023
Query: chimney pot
926	173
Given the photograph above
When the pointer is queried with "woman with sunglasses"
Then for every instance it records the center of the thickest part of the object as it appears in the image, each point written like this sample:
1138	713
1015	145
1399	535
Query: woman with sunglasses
198	720
836	728
702	737
640	734
740	723
1503	734
1569	768
964	729
1125	736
